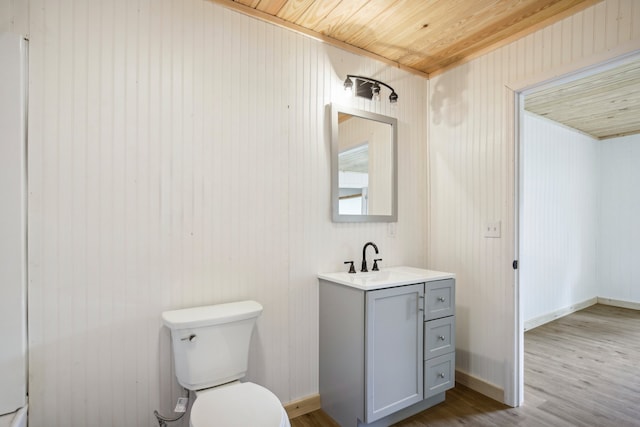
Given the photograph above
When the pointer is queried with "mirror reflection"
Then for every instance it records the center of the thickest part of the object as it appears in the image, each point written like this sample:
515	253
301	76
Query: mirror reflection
365	165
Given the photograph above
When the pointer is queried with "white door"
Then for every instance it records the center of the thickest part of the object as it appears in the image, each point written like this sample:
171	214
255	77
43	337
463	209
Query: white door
13	333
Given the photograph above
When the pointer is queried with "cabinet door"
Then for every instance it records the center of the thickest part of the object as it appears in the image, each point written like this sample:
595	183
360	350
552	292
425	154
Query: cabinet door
394	349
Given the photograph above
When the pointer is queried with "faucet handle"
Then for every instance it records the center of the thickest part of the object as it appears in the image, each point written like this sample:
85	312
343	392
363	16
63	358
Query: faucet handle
352	269
375	264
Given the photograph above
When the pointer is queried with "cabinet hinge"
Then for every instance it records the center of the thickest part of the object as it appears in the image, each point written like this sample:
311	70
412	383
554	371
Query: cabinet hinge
515	264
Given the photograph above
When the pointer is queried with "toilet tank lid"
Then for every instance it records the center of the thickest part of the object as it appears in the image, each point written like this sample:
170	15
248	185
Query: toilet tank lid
211	314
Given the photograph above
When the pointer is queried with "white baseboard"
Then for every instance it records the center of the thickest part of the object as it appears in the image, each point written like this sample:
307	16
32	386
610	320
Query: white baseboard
619	303
480	385
549	317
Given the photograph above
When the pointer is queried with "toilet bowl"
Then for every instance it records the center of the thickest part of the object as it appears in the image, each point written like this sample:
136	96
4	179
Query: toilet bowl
238	405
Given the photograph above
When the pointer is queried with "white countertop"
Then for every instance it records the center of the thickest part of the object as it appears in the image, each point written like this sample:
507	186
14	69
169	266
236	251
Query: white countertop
385	278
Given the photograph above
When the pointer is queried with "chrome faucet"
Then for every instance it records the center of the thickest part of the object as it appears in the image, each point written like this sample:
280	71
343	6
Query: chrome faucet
364	255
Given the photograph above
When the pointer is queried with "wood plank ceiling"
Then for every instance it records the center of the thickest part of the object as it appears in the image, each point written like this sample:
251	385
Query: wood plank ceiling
422	36
604	105
427	37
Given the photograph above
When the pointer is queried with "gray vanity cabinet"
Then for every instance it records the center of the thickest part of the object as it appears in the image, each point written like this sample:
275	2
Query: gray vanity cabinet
382	357
371	351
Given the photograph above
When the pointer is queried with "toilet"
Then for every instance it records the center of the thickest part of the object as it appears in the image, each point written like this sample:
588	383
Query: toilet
211	355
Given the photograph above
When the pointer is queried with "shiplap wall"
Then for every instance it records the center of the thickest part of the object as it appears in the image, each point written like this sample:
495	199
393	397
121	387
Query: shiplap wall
14	17
619	271
179	155
471	158
559	216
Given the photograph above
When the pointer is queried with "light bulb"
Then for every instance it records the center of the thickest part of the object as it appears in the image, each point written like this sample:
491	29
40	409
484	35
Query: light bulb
348	86
375	90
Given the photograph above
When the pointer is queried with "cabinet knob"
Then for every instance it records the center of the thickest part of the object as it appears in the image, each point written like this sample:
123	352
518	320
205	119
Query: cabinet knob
442	299
441	337
440	375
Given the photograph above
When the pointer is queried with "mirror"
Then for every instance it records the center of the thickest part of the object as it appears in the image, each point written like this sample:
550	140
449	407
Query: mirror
363	166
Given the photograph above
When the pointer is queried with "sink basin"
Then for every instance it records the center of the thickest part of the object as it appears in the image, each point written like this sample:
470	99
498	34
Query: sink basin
385	278
375	275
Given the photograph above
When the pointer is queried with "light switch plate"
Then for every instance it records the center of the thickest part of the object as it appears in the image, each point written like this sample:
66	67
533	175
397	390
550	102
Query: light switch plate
391	229
492	229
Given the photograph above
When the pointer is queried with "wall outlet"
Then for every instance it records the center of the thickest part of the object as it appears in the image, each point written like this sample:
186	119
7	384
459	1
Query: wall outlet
492	229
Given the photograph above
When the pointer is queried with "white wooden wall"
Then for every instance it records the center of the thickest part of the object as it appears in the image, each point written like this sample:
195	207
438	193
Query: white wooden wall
14	16
579	207
559	218
619	271
471	157
179	155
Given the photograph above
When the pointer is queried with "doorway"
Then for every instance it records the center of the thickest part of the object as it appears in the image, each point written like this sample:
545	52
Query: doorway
569	211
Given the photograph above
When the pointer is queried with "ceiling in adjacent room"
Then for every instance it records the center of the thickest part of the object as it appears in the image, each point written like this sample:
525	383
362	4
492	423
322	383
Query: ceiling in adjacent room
603	105
422	36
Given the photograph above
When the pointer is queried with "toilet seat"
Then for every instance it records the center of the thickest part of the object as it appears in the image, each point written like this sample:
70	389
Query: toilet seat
241	405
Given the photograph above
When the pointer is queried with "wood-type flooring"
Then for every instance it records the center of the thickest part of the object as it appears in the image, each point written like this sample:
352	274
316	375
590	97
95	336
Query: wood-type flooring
580	370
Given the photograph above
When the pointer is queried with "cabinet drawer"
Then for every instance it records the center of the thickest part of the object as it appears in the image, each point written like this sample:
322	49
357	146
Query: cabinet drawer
439	337
439	374
440	298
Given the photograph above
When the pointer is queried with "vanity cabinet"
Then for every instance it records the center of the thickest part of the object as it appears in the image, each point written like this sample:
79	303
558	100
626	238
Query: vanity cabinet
385	352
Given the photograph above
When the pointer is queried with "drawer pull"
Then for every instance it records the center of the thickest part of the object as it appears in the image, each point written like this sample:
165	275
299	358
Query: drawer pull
440	375
442	299
441	337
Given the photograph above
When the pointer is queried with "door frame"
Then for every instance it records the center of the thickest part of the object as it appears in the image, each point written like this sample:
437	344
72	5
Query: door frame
13	231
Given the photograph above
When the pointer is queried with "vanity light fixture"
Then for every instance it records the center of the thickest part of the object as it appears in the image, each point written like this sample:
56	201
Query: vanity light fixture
368	88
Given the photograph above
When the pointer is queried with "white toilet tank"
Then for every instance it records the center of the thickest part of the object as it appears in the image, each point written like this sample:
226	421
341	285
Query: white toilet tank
211	343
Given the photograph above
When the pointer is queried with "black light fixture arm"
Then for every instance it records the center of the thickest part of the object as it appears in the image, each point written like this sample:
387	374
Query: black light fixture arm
374	85
369	79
